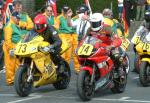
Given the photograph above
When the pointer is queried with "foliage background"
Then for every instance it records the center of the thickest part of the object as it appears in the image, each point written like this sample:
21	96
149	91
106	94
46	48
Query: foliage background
96	5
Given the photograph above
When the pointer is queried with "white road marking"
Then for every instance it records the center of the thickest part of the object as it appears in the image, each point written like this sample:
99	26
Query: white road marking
118	100
12	95
102	99
36	96
8	95
136	78
26	99
124	98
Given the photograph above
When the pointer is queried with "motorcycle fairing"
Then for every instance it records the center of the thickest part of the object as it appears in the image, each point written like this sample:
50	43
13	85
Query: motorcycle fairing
146	59
46	67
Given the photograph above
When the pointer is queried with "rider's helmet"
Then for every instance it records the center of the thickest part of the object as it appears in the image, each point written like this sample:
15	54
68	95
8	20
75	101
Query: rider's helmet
108	13
40	23
147	19
83	9
96	20
147	16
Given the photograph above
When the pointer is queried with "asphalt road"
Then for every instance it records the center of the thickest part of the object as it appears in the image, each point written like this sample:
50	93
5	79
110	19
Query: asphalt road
134	92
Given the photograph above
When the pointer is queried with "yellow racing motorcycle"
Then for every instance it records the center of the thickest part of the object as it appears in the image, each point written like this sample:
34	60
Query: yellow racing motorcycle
137	61
36	67
143	50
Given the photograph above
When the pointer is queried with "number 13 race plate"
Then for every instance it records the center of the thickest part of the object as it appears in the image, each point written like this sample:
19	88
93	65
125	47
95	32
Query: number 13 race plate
25	48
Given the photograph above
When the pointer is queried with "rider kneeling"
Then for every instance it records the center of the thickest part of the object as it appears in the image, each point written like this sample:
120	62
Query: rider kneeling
105	33
50	35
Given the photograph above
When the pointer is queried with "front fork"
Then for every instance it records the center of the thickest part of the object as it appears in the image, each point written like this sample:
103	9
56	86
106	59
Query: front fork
93	75
30	72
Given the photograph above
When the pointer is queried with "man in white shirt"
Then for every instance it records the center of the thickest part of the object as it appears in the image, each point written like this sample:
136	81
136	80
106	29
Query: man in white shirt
80	22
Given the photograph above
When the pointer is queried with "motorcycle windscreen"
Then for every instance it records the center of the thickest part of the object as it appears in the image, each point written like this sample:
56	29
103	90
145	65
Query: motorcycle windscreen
28	45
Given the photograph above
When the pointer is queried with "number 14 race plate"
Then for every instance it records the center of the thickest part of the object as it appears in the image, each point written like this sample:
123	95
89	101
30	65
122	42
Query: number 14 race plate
85	49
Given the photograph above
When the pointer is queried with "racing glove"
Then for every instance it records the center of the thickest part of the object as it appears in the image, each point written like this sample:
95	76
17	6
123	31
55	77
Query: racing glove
49	49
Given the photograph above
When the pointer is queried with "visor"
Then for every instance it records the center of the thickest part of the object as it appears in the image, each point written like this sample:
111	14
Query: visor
39	26
96	24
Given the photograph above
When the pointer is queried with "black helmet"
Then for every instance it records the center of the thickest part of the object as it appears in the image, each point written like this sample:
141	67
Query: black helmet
82	9
147	16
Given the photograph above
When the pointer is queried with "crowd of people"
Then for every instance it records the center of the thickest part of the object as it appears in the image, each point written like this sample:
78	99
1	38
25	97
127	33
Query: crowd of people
134	9
54	29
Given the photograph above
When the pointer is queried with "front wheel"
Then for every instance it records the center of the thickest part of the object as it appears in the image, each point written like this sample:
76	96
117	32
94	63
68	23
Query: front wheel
84	89
63	77
144	74
22	87
126	63
120	83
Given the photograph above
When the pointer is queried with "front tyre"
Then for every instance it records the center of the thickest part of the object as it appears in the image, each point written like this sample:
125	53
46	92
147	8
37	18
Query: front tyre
65	76
120	83
126	63
22	87
84	89
144	73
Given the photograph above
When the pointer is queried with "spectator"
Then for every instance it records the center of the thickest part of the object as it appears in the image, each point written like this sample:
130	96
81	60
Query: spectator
12	35
25	23
120	8
140	10
80	21
1	27
1	7
67	33
48	12
128	5
1	42
148	5
133	11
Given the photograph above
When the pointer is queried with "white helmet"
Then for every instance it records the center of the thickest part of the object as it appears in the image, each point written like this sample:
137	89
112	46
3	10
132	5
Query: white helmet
96	20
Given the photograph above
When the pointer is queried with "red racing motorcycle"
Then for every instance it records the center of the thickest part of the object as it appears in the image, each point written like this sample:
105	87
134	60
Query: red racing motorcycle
98	70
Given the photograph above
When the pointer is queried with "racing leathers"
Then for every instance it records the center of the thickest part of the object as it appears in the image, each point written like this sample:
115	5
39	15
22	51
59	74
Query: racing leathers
111	40
50	35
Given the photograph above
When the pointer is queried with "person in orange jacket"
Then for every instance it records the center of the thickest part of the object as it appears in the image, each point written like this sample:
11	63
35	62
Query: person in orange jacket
67	33
12	35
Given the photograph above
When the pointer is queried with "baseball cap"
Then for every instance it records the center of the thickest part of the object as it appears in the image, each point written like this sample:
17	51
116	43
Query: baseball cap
16	14
65	8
